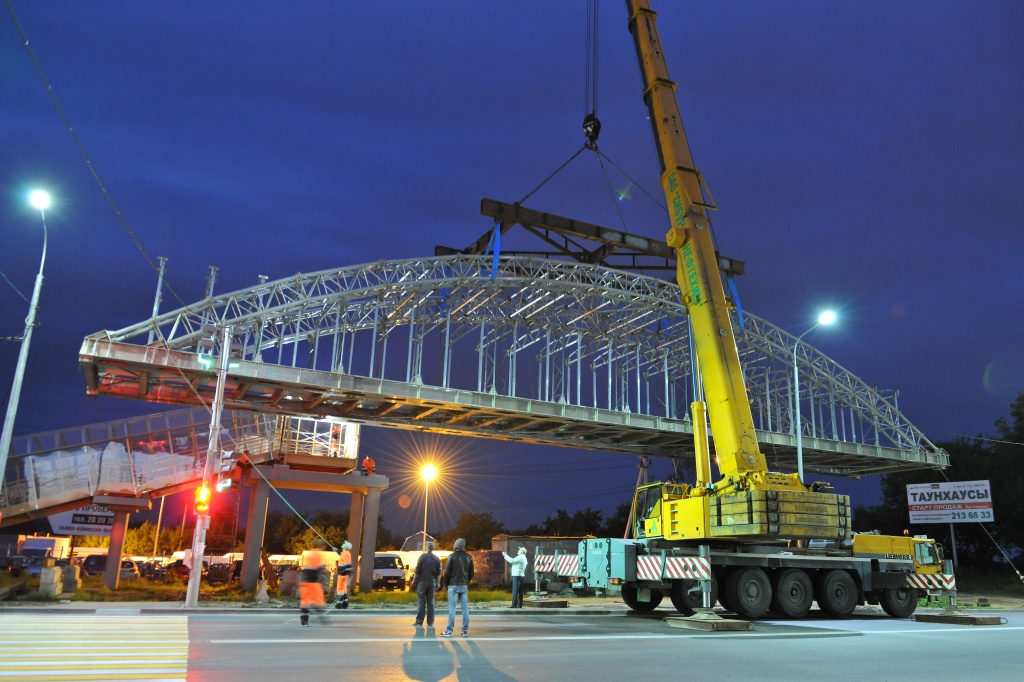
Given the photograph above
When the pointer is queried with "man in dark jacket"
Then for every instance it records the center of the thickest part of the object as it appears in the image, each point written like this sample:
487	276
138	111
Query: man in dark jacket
457	574
426	582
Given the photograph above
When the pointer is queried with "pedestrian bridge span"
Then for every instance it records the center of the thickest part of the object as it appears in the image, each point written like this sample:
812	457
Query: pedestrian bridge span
517	348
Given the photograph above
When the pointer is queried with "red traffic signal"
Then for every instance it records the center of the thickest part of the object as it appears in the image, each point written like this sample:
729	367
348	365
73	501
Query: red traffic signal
203	495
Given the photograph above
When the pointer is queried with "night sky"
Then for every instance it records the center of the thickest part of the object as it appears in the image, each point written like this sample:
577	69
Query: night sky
866	156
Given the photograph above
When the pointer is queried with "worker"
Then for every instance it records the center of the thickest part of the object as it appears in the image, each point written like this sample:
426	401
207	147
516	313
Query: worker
311	591
518	571
344	571
369	466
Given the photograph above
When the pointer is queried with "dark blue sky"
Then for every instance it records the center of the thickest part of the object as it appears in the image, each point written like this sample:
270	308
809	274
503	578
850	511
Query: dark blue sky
864	155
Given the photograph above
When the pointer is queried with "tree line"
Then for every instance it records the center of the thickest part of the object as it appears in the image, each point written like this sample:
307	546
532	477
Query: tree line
999	460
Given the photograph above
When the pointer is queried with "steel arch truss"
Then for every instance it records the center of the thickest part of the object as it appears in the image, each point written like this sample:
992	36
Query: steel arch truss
526	349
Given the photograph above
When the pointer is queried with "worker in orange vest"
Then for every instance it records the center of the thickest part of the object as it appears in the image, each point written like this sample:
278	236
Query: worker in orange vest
369	466
344	570
311	591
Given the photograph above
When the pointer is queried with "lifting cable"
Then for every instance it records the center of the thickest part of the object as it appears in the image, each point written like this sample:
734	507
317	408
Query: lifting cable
591	124
81	149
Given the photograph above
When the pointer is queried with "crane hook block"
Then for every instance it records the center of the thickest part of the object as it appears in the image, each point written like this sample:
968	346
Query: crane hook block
591	128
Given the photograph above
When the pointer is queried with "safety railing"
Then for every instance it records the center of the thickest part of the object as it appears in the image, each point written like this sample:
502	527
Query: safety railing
125	457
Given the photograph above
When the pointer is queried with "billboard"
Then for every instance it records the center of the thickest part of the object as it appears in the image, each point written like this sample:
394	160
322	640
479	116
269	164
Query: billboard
950	502
90	520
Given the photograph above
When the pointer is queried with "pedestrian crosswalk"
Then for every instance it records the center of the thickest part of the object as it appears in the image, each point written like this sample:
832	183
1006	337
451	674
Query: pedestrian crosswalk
49	646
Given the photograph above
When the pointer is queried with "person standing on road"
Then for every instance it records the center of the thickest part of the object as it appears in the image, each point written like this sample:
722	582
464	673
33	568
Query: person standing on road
311	591
344	571
457	574
518	576
426	581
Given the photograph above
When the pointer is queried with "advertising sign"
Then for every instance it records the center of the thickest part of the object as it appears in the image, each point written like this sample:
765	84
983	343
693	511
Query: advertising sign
91	520
951	502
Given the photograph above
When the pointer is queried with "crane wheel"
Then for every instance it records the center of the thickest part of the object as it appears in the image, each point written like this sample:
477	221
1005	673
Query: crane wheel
749	592
836	593
792	593
899	603
687	602
629	596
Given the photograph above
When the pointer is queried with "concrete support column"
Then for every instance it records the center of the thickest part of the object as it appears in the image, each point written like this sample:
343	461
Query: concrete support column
255	527
112	572
370	511
355	535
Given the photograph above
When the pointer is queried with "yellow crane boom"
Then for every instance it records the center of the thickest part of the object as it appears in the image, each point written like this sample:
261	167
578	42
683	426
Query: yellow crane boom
748	501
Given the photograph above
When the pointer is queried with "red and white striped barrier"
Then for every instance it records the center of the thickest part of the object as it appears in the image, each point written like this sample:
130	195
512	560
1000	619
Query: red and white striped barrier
568	564
927	581
649	567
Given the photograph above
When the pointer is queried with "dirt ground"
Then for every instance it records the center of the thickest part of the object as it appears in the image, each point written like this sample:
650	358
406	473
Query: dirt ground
970	599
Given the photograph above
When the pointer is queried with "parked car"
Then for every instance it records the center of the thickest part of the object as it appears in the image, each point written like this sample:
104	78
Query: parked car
388	572
129	570
179	570
94	564
226	573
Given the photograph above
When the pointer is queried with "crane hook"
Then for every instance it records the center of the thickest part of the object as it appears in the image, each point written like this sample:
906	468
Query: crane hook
591	128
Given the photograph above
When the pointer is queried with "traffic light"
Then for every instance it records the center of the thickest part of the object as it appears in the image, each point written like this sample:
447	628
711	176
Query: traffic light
203	495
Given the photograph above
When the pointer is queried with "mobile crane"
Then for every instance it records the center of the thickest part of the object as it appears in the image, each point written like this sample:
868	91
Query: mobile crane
763	540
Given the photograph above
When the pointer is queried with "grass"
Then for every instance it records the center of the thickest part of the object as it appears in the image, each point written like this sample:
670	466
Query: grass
7	579
142	589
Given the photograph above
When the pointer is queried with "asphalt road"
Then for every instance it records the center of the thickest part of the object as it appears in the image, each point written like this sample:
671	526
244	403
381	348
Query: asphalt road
617	647
532	645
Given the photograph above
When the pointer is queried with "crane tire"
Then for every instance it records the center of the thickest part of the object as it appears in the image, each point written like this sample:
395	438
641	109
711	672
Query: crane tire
792	593
749	592
899	603
836	593
629	597
687	602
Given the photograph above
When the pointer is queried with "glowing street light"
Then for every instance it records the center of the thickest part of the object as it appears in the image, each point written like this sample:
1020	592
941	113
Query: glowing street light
40	200
826	318
428	473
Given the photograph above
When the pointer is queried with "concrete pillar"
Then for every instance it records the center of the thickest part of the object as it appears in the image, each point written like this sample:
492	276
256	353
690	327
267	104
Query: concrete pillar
255	527
112	572
355	534
370	512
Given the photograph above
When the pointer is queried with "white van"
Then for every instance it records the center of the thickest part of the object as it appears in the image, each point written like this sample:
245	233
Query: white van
388	571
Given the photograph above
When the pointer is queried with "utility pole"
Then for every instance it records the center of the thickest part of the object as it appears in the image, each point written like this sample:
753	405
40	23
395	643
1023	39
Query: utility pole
152	332
202	494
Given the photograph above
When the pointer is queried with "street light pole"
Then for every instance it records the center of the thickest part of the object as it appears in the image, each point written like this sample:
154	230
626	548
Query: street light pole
429	473
826	318
426	499
40	200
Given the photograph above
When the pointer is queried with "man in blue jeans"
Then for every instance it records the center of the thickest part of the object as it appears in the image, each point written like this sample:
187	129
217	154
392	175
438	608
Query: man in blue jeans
457	574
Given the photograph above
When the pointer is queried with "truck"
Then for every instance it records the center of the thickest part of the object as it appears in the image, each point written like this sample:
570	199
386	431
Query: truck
53	546
752	539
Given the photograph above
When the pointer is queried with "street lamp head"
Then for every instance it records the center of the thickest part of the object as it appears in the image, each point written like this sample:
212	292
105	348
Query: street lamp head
428	473
40	199
827	317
